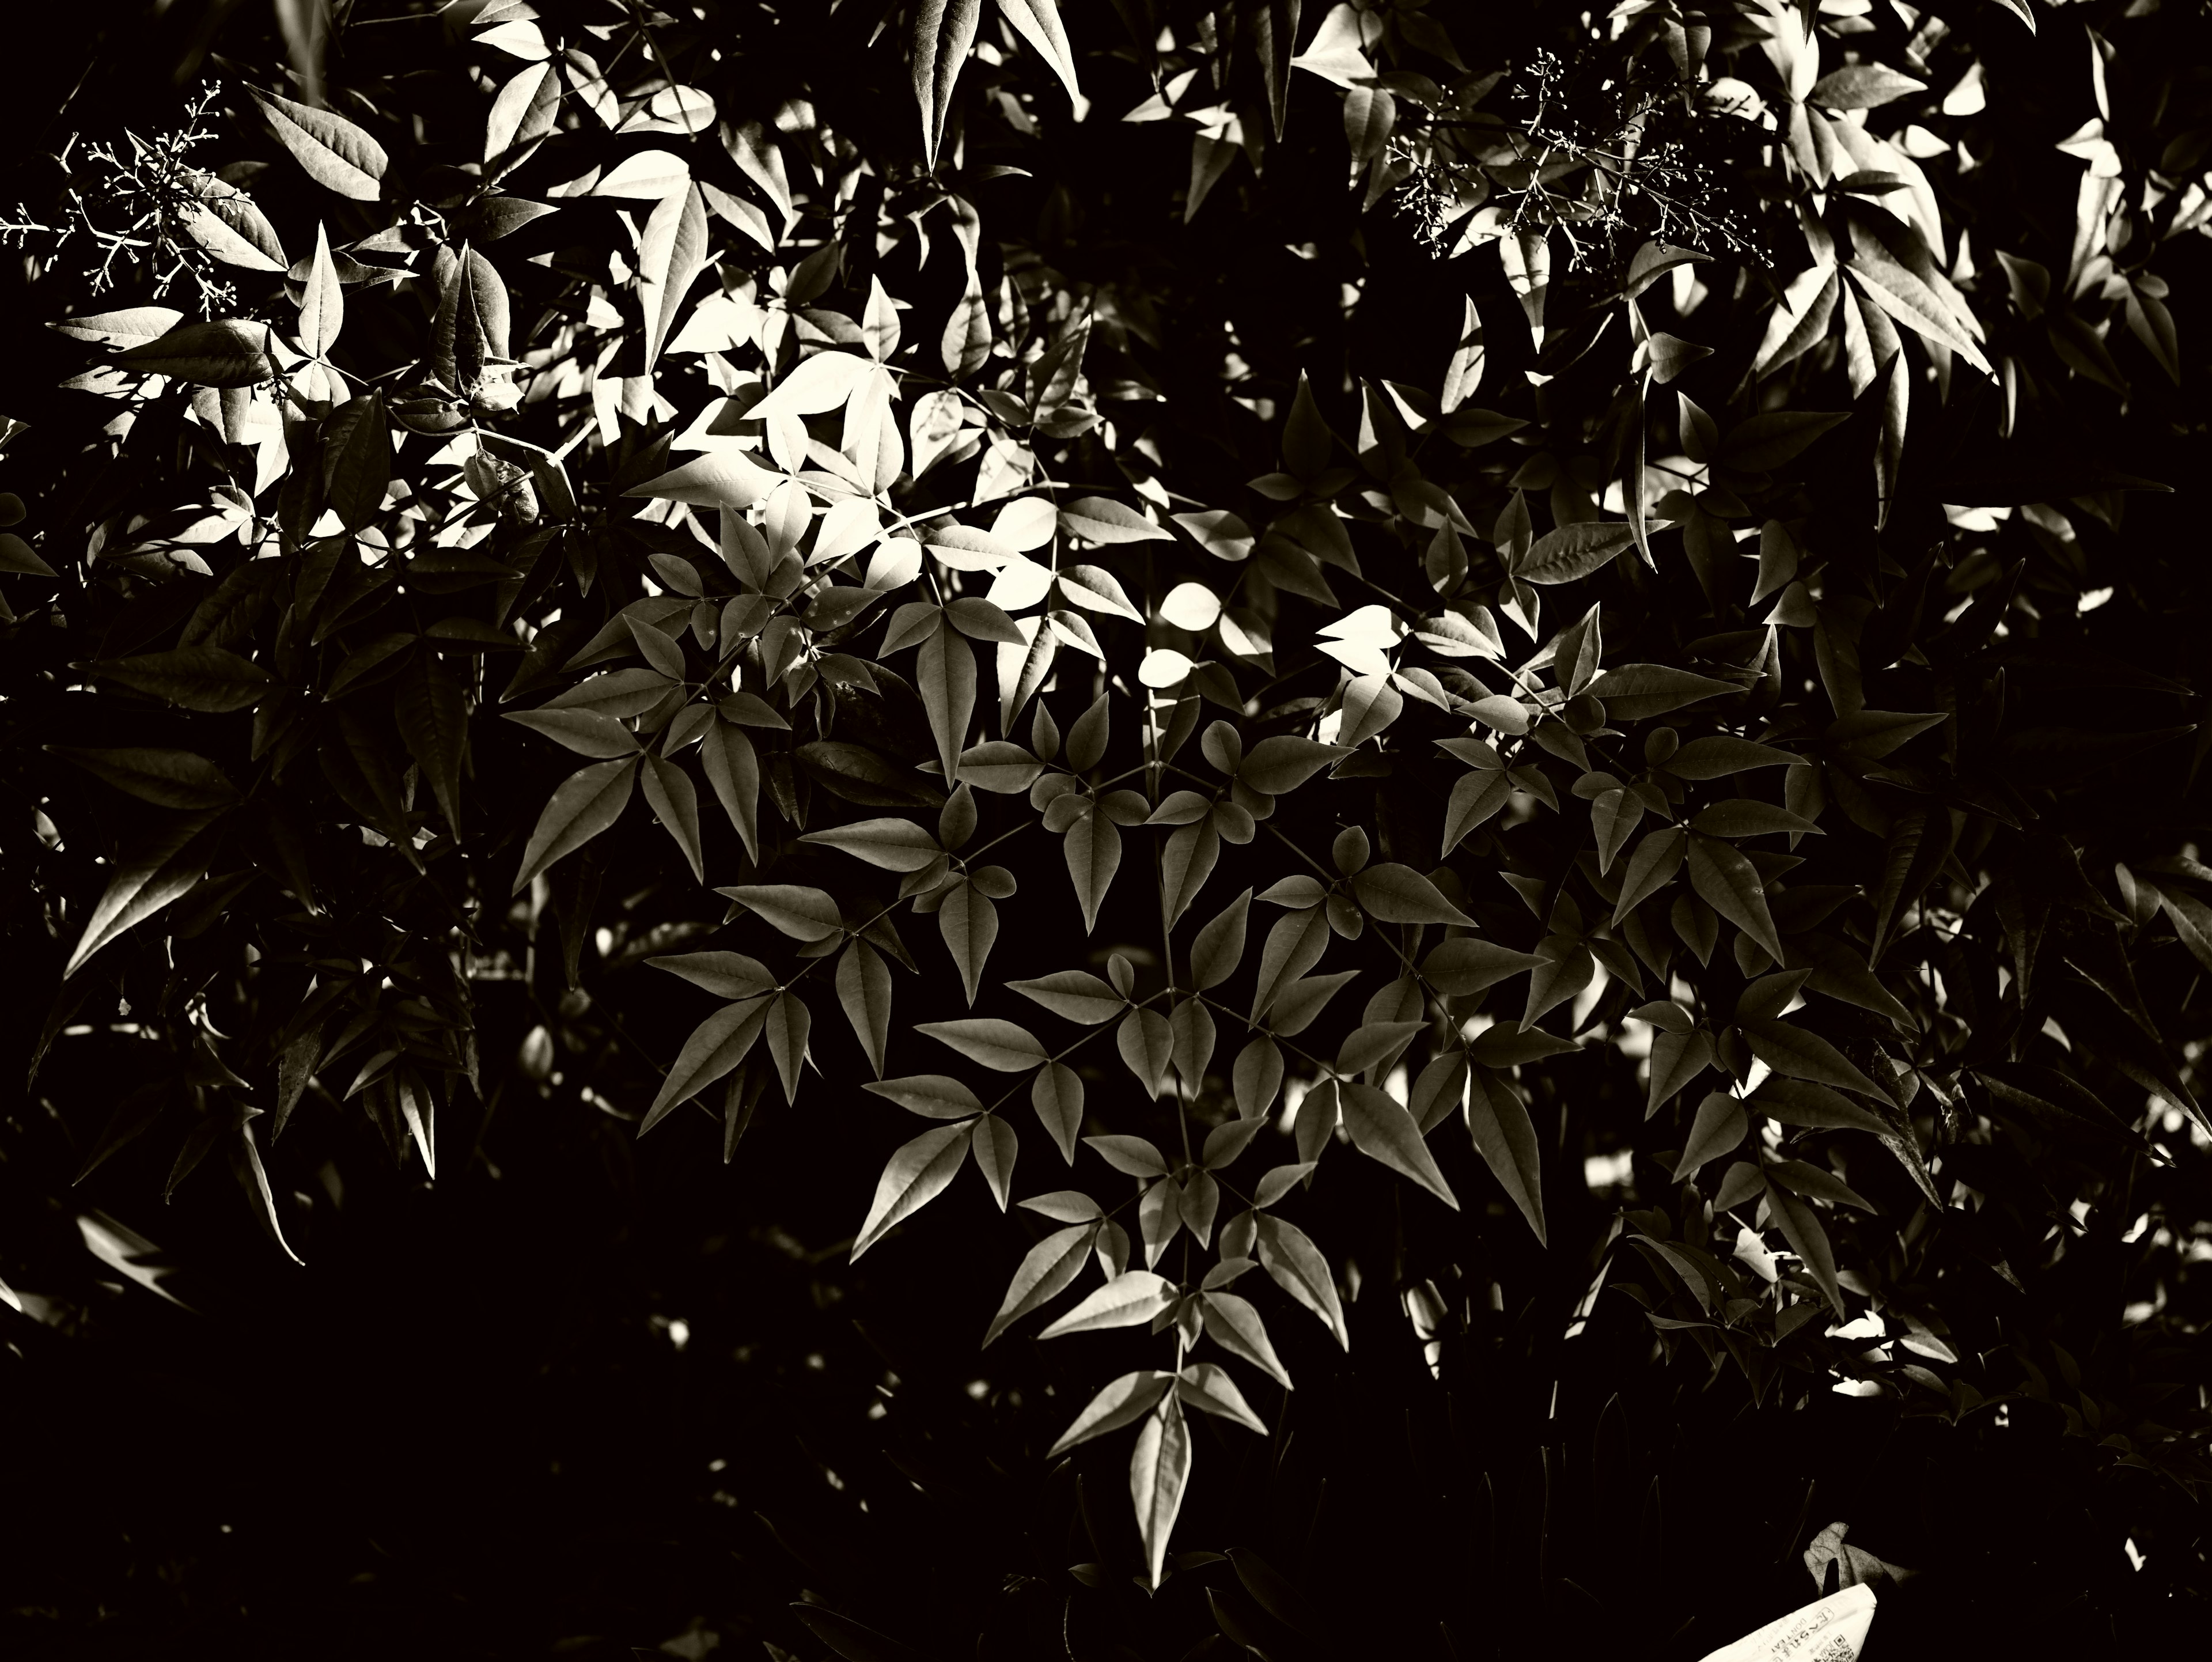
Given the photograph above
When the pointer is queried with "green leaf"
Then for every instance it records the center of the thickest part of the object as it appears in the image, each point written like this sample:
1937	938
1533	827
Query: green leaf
1232	1323
916	1174
1159	1471
1572	552
1395	893
167	778
1219	947
943	34
802	913
717	1046
336	153
938	1096
1384	1131
1797	1053
1636	692
726	975
1466	965
1185	864
1046	1271
1298	1004
895	845
944	675
585	804
1676	1059
160	869
1124	1401
1076	994
1507	1141
995	1043
1720	1128
1731	886
1294	946
1130	1298
1295	1265
230	352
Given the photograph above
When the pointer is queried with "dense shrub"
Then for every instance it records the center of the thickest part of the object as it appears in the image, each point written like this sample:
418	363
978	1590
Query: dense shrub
1540	667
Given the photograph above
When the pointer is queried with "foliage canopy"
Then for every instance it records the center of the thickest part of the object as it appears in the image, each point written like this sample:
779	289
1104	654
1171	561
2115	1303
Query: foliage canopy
1539	663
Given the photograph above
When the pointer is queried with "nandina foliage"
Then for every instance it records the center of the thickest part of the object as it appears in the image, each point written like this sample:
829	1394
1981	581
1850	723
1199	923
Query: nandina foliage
1541	666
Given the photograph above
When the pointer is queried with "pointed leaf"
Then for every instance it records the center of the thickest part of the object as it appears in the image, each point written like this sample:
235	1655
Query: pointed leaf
585	804
1384	1131
1130	1299
717	1046
336	153
916	1173
1124	1401
1233	1323
1507	1141
1159	1471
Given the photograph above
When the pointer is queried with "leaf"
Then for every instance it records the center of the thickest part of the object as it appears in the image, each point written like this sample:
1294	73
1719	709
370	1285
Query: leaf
1299	1003
1093	848
969	925
726	975
1731	886
1720	1128
672	252
1124	1401
1130	1298
916	1173
944	33
1384	1131
995	1043
1295	1265
433	716
1101	520
1800	1102
1076	994
721	479
1056	1093
996	1146
1219	947
1147	1046
1159	1471
336	153
160	870
716	1046
1636	692
1133	1155
1096	590
1394	893
1462	967
1206	1386
585	804
733	770
944	675
1676	1059
167	778
1280	764
822	382
1766	441
1898	291
131	326
860	775
938	1096
802	913
1294	946
1258	1077
1861	87
1809	1240
228	353
894	845
1719	756
322	301
1232	1323
1739	816
1046	1271
356	459
1507	1141
1797	1053
1185	864
788	1023
1572	552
